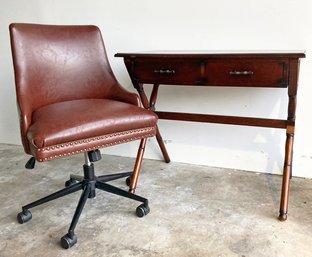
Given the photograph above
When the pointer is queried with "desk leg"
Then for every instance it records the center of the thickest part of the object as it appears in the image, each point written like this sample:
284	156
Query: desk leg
150	104
286	174
290	131
162	146
137	166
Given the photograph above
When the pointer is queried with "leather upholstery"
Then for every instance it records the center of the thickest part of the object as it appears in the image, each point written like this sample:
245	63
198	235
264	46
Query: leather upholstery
68	98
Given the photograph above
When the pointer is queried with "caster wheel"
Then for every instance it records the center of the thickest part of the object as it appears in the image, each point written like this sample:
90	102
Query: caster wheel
70	182
142	210
128	181
24	216
68	241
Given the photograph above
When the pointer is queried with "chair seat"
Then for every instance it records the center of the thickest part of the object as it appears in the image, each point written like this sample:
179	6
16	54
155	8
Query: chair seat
75	126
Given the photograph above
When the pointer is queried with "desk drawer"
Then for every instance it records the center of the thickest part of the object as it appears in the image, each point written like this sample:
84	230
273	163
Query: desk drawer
160	71
262	73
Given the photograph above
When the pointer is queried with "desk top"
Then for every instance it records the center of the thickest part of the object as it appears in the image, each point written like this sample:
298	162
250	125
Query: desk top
215	53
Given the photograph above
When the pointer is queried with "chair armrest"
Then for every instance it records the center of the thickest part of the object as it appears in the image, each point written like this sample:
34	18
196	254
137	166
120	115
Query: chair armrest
123	95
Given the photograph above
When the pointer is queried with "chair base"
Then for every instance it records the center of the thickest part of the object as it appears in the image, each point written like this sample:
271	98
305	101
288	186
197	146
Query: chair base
88	184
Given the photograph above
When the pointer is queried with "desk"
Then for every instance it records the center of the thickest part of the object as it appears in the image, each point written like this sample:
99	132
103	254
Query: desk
231	69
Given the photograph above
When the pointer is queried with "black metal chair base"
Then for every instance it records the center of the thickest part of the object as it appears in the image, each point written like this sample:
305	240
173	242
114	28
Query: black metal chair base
88	184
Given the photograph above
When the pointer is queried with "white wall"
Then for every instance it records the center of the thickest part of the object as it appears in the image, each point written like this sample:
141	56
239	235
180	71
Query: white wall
196	25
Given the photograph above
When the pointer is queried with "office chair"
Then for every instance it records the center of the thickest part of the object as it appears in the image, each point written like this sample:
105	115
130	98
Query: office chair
69	102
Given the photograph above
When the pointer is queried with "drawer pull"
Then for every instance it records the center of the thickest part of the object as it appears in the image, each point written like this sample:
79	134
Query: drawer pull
165	71
245	72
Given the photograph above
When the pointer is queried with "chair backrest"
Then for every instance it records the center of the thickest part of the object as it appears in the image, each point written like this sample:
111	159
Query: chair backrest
58	63
55	63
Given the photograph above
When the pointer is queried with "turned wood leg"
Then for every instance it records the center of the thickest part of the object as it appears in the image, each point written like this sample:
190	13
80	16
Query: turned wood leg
290	131
286	175
137	166
150	104
162	146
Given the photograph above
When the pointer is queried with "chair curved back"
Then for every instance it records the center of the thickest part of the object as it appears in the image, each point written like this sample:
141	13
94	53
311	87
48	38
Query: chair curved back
54	63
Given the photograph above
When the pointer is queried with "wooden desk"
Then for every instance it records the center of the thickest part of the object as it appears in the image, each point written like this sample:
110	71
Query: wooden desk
231	69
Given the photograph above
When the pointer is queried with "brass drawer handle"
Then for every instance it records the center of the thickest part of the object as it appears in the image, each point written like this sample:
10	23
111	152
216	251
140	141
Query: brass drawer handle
165	71
245	72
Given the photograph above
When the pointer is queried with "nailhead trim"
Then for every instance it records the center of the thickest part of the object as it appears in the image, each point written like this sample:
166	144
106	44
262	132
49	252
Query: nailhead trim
149	130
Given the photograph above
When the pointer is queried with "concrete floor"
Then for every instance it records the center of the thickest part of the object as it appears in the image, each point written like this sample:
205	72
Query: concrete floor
195	211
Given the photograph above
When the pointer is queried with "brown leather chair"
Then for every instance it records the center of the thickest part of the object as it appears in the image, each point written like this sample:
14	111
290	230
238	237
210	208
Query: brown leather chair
69	102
